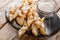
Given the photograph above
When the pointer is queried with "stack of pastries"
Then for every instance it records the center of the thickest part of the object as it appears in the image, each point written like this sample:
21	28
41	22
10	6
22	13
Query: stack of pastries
27	17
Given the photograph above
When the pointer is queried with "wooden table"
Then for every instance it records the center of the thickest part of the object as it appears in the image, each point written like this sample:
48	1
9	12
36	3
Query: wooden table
7	32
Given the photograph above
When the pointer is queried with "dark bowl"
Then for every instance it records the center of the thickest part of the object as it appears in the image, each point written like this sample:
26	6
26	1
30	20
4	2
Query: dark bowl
54	23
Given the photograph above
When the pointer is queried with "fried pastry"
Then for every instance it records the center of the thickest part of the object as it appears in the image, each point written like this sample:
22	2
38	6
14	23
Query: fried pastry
34	30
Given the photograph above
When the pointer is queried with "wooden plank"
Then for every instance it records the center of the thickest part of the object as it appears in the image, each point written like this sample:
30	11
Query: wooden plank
2	18
8	32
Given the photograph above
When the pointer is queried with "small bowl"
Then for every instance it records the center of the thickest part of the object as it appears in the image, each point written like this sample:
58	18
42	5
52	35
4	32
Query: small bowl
45	13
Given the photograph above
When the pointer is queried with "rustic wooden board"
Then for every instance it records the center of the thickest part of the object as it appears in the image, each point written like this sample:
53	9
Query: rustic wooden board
9	33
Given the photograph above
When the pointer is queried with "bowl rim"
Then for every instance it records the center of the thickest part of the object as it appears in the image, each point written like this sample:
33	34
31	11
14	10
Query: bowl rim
54	10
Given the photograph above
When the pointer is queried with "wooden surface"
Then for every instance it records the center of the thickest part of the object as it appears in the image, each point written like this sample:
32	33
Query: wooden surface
9	33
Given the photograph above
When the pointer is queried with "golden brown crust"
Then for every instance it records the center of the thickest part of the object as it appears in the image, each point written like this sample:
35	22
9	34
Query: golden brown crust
26	15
